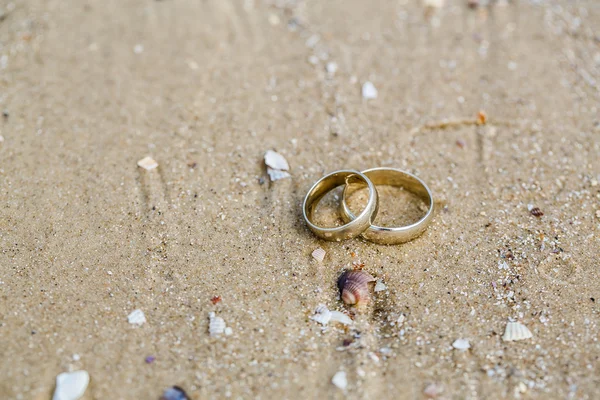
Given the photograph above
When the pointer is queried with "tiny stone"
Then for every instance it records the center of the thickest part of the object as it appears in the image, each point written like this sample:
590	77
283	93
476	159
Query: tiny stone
461	344
340	380
138	49
147	163
369	91
136	317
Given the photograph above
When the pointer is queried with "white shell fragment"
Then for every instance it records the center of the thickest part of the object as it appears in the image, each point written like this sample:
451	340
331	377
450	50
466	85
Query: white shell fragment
340	380
369	91
434	3
276	161
322	315
147	163
319	254
331	67
340	317
516	331
275	174
71	385
216	325
136	317
379	286
461	344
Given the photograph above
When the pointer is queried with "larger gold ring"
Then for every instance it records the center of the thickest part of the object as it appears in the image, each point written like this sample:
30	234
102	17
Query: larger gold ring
392	177
355	226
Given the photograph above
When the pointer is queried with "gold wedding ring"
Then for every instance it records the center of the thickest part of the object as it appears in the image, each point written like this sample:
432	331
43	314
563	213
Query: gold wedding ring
355	225
392	177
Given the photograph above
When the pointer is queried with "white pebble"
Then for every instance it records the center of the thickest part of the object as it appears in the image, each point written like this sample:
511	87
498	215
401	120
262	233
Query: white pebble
340	380
136	317
461	344
147	163
71	385
369	91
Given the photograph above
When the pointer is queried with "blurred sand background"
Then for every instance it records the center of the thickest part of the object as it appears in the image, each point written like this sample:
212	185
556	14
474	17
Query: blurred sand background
206	87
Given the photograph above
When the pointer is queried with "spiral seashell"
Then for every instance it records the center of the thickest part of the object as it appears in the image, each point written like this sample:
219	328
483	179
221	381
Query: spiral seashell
354	287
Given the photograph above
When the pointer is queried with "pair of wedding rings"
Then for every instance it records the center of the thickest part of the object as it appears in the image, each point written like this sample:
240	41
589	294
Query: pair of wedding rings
355	225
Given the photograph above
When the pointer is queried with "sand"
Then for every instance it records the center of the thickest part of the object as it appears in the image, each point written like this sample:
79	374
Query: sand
205	88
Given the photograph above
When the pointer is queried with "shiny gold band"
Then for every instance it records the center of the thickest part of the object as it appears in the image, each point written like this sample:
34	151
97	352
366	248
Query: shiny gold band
392	177
354	226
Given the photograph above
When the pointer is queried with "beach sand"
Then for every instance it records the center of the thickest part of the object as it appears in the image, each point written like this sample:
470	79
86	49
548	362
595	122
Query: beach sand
205	88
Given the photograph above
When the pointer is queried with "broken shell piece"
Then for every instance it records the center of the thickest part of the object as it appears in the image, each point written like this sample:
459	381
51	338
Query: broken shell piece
174	393
354	287
216	325
340	317
275	174
369	91
461	344
516	331
340	380
322	315
276	160
319	254
147	163
71	385
136	317
380	286
432	391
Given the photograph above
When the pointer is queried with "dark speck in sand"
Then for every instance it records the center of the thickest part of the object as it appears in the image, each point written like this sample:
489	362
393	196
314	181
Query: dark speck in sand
150	359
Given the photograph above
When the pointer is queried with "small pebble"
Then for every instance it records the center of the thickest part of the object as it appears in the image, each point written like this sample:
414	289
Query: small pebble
71	385
150	359
461	344
369	91
340	380
136	317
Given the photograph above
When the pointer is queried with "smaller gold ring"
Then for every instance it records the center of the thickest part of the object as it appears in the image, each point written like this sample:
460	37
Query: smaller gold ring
355	226
392	177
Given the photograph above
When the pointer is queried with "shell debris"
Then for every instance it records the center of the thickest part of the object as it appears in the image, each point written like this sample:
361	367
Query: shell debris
136	317
340	317
147	163
516	331
322	315
354	287
71	385
369	91
461	344
340	380
379	286
276	161
216	325
319	254
174	393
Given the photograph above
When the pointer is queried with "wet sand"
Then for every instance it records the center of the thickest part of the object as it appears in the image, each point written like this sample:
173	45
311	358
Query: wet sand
205	88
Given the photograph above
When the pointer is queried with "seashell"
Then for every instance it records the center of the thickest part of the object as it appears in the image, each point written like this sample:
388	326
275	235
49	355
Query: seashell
275	174
276	161
369	91
340	380
536	212
216	325
147	163
379	286
322	315
516	331
174	393
136	317
354	287
340	317
71	385
319	254
461	344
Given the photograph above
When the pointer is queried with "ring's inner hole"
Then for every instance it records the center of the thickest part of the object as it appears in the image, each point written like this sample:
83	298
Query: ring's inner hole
327	214
397	206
